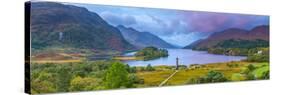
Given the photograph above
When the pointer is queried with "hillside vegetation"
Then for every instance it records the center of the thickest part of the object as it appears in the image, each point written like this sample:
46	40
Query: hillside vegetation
54	25
101	75
150	53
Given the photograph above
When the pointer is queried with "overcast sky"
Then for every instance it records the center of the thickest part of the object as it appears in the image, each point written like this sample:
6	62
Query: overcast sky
175	26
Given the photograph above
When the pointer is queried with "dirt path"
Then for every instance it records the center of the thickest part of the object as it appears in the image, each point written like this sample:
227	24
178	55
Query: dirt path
165	81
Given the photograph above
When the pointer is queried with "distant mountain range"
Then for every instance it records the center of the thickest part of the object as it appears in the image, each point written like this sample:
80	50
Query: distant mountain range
143	39
257	33
60	25
54	24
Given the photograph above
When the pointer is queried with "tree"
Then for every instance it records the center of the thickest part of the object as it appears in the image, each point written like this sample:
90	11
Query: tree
117	76
258	58
63	78
83	84
265	75
131	69
149	68
150	53
249	72
42	83
214	76
211	77
44	86
135	79
251	67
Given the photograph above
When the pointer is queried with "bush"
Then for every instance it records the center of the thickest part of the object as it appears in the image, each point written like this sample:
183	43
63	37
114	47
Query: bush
42	87
211	77
83	84
251	67
135	79
131	69
142	68
256	72
258	58
149	68
254	56
117	76
265	75
63	77
58	77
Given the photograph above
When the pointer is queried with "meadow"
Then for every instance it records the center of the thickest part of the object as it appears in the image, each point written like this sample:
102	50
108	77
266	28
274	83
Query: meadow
96	75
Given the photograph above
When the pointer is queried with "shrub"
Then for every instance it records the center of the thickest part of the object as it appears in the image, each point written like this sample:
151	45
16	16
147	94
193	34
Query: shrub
117	76
251	67
83	84
131	69
149	68
211	77
258	58
265	75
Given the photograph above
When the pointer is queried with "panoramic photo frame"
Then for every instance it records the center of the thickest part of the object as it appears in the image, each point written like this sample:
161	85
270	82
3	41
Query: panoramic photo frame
71	47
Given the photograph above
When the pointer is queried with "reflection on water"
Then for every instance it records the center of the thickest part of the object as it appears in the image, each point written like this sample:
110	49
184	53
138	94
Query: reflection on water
186	57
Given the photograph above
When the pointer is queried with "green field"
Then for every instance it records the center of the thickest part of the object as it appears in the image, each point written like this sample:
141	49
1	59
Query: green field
63	70
183	76
91	75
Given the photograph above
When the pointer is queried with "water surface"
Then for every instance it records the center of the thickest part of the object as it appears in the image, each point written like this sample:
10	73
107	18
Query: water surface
186	57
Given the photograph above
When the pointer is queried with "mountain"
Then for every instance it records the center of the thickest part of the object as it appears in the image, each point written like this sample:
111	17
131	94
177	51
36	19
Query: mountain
193	44
260	33
55	24
142	39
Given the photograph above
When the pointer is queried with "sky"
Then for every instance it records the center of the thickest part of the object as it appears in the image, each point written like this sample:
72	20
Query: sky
177	27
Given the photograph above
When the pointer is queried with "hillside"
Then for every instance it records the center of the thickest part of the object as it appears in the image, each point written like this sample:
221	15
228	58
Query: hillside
143	39
54	24
257	34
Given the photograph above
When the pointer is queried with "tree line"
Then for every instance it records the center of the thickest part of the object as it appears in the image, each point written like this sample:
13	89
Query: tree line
150	53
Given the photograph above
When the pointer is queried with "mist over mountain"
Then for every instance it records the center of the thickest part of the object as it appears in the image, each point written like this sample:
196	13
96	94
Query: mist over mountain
143	39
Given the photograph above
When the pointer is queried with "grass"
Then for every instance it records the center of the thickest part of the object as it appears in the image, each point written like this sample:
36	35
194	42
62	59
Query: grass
231	70
56	58
56	61
66	55
237	77
259	71
154	78
184	75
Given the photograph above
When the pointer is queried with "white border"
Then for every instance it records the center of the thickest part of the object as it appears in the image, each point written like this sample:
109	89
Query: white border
12	46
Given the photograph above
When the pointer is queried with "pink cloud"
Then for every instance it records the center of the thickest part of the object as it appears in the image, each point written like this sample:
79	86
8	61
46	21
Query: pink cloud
214	22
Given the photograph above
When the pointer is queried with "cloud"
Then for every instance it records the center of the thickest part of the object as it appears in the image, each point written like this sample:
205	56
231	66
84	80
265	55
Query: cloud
175	26
215	22
120	19
160	26
184	39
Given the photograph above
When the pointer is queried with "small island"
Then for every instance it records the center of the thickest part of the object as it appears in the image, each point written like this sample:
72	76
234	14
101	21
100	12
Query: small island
150	53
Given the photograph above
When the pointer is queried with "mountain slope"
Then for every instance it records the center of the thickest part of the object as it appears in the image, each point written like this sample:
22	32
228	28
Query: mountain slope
54	24
143	39
257	33
193	44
